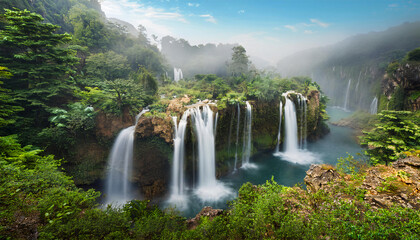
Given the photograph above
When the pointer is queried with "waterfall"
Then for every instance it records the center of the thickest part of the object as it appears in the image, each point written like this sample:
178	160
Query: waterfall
290	121
293	138
178	74
120	164
279	133
237	135
247	137
374	106
208	187
178	181
346	99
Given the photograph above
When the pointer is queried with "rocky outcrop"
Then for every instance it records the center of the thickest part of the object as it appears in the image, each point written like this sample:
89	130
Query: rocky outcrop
320	177
382	186
108	125
155	126
208	212
406	78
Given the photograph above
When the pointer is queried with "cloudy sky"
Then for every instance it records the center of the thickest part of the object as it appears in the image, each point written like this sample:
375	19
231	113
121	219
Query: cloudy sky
269	29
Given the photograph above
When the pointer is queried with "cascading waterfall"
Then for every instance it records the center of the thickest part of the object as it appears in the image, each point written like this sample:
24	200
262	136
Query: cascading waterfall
178	182
209	189
247	137
346	99
120	164
291	133
374	106
279	133
292	151
237	135
178	74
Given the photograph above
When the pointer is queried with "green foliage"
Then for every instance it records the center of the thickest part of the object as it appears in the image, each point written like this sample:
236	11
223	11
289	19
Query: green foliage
106	66
414	55
32	184
8	106
395	134
240	62
351	165
36	57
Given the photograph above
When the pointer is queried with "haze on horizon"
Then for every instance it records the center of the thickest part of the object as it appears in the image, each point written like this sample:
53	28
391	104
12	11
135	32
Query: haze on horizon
269	30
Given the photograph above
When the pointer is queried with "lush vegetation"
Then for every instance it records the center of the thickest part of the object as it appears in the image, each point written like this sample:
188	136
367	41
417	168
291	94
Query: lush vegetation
55	84
394	135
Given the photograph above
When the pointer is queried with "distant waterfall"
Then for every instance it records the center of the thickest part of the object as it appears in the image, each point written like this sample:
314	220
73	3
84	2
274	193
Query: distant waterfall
208	187
120	164
279	133
237	135
178	74
295	134
374	106
177	187
346	99
247	147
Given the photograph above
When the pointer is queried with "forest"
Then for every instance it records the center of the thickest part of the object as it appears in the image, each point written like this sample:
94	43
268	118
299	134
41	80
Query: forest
70	80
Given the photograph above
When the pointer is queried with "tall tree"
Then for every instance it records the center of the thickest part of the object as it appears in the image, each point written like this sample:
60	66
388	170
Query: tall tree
37	57
240	61
8	107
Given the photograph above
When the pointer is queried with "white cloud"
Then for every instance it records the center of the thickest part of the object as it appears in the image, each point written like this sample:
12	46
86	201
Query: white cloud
293	28
241	11
193	4
322	24
308	32
209	18
154	19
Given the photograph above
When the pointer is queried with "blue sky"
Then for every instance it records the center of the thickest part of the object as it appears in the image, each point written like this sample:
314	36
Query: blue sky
267	29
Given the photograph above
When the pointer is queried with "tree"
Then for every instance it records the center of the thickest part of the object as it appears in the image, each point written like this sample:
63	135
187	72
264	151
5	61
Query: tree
240	61
106	66
37	58
394	134
8	106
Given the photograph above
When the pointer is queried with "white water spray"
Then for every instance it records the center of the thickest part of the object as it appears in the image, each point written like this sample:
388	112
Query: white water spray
120	164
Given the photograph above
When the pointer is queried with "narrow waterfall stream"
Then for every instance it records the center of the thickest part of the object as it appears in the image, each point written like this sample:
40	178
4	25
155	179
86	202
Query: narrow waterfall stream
347	96
237	136
247	146
374	106
120	162
279	133
177	197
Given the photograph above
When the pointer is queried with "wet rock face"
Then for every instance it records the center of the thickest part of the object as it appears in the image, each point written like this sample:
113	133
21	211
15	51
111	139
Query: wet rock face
109	125
384	186
205	212
407	77
151	166
155	126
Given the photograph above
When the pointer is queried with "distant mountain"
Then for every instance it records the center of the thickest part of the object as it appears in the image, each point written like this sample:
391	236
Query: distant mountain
358	62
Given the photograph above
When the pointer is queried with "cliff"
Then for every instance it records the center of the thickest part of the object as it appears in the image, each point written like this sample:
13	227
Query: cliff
401	87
